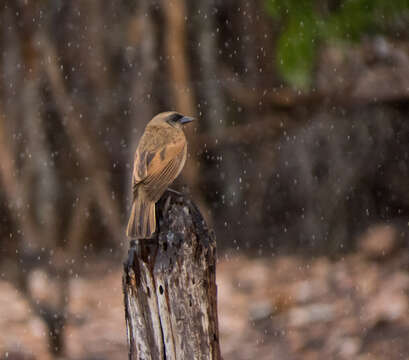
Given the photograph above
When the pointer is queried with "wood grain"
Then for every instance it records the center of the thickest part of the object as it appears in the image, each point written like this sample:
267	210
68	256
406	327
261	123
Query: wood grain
169	285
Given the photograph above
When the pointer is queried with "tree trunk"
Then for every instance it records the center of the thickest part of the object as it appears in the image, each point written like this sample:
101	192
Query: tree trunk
169	287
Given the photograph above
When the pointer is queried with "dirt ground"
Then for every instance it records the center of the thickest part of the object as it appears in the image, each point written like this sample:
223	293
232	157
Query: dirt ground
285	307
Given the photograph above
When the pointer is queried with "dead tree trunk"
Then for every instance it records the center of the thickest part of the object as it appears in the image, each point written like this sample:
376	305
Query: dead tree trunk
169	287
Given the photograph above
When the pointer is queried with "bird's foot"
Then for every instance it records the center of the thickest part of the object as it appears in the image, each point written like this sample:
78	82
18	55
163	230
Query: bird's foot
132	253
166	206
174	191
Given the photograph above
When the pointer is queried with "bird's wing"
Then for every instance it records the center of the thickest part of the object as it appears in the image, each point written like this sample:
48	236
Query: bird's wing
151	143
139	169
164	166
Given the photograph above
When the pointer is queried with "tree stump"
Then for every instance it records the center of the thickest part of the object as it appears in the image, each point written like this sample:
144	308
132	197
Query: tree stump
169	286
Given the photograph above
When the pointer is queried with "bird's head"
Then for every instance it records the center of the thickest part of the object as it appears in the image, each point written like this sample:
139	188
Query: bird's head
171	118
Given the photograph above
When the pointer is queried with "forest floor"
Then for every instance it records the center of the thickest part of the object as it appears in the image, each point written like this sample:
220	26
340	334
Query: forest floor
286	307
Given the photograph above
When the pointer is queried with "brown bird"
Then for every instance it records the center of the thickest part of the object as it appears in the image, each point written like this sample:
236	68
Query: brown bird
159	159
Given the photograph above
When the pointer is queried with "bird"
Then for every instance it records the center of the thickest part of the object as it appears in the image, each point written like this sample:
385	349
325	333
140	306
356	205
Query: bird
159	158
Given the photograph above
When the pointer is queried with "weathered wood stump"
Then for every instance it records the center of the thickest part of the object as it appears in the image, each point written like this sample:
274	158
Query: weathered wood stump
169	285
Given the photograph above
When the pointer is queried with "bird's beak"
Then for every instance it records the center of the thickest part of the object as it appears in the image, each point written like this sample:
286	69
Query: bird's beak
186	119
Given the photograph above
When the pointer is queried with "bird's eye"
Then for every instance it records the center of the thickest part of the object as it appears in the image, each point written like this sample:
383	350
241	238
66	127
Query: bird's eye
175	117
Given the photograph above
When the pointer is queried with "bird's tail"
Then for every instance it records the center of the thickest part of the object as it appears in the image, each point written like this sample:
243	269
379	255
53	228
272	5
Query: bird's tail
142	221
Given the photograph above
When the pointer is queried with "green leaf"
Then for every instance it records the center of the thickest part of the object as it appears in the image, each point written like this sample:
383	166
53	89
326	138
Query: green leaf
296	49
274	8
351	20
304	25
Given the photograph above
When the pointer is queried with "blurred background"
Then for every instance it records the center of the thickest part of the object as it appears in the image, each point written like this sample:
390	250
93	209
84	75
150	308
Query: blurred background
299	161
